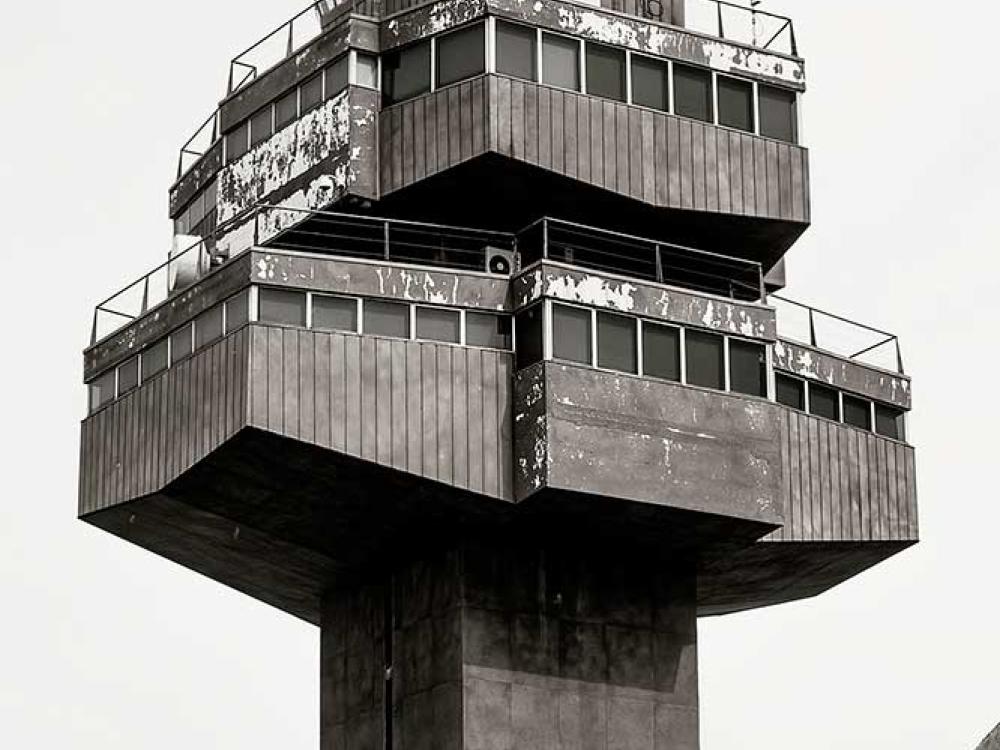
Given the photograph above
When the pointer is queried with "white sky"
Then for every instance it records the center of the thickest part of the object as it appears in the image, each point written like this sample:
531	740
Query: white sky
103	645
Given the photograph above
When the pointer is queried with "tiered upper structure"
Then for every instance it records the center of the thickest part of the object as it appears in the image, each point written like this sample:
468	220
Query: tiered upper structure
476	286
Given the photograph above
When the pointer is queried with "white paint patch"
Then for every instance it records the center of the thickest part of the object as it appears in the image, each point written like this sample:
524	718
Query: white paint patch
592	290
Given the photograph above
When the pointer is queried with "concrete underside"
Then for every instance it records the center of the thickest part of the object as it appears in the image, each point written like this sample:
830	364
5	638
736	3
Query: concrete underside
326	519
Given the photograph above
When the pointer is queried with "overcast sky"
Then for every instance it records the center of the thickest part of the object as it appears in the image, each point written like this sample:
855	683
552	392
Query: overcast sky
103	645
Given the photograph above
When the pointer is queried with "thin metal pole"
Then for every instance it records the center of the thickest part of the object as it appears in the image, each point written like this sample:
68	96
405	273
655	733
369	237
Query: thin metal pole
385	233
545	238
812	328
659	264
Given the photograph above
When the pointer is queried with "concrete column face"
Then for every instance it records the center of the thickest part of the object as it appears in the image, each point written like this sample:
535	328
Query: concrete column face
518	648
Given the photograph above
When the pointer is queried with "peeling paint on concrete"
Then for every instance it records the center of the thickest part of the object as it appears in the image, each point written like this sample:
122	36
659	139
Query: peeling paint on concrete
840	372
429	20
289	153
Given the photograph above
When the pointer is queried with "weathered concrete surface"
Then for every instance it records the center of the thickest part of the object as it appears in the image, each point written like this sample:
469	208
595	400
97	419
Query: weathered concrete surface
195	179
991	741
561	282
379	279
642	35
824	367
521	647
650	442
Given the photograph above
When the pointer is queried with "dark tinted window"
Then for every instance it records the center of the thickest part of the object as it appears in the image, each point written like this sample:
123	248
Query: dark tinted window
747	368
461	54
605	71
571	334
237	142
693	93
561	61
857	412
790	391
516	50
282	306
286	109
208	327
311	93
438	325
154	359
336	77
823	401
487	329
735	103
617	348
366	70
650	83
387	319
260	126
237	310
777	113
406	73
704	356
661	351
528	325
181	342
335	313
128	375
102	390
889	422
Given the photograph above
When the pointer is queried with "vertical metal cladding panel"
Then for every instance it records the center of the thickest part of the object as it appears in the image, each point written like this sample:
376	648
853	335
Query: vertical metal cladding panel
845	484
138	444
435	410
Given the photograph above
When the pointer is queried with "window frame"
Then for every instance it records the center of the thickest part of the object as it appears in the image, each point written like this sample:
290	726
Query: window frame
581	67
435	53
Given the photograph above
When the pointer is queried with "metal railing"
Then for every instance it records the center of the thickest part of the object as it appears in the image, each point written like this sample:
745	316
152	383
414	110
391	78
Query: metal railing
198	144
837	335
743	24
287	39
641	258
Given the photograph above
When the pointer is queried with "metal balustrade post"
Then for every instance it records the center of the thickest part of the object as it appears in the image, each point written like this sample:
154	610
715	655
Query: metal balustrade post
545	239
145	295
722	32
899	359
659	264
812	328
385	240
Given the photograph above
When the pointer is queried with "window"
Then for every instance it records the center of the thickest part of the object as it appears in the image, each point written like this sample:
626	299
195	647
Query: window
889	422
516	50
311	93
561	61
650	83
605	71
237	142
461	54
747	368
790	391
777	113
154	359
366	70
571	334
261	126
208	327
286	109
406	72
387	319
528	326
128	375
335	313
435	324
617	348
181	342
823	402
704	355
237	310
336	77
281	306
693	93
487	329
661	351
102	390
857	412
736	103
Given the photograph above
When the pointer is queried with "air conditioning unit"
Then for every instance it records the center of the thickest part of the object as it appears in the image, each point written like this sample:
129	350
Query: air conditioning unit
186	263
500	262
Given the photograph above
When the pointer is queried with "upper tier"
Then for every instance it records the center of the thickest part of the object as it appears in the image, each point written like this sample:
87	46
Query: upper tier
554	108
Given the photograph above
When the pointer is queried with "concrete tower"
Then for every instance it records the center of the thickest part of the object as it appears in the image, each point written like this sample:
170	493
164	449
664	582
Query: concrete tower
468	353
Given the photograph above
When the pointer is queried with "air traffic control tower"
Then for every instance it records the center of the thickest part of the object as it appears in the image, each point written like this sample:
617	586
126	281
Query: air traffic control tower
471	350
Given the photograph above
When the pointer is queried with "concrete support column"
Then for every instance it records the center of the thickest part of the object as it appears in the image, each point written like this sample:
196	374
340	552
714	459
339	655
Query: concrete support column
517	647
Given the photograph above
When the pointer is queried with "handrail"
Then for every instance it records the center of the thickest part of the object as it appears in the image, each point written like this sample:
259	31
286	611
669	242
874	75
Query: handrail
743	24
188	150
878	348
